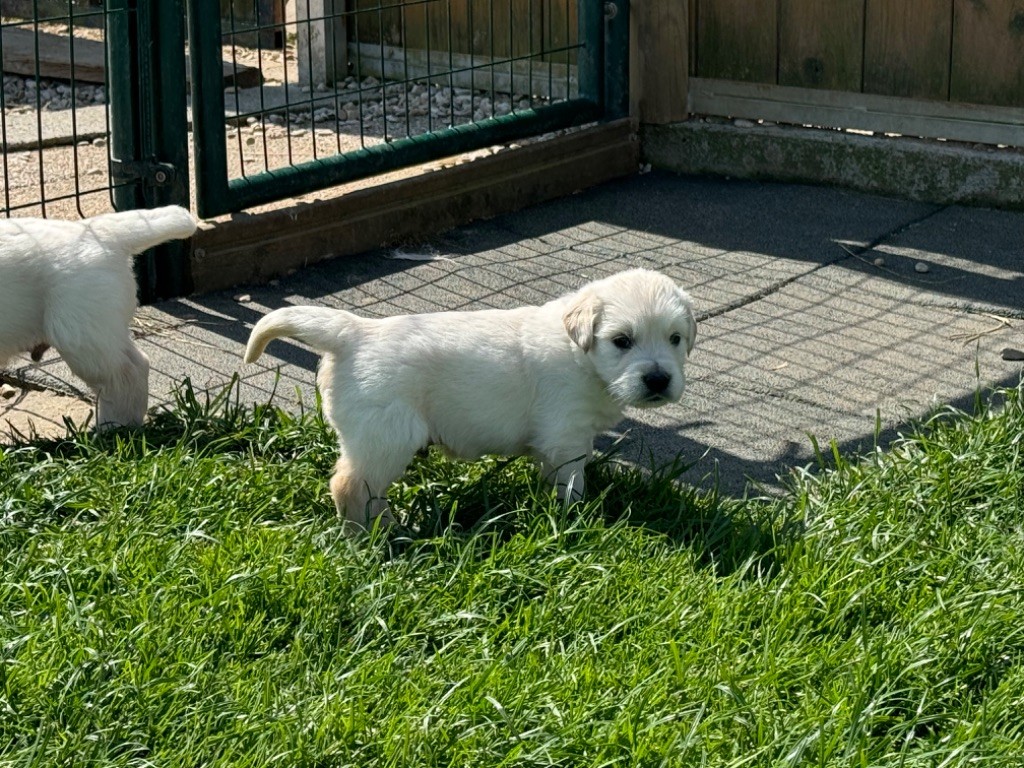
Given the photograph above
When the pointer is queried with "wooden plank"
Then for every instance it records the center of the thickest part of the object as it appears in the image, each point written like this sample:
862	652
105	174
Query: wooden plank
461	38
527	19
906	48
244	249
54	54
414	25
499	24
19	58
659	64
397	63
560	30
988	52
374	20
691	37
736	40
867	112
439	17
821	44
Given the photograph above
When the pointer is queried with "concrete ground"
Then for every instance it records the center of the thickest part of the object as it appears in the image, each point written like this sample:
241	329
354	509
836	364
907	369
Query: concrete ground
822	312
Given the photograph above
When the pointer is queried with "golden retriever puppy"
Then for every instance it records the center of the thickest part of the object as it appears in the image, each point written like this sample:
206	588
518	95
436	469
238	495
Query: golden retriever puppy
70	285
541	381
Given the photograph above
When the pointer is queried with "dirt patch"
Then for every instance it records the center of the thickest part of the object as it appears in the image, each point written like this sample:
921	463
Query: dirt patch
27	411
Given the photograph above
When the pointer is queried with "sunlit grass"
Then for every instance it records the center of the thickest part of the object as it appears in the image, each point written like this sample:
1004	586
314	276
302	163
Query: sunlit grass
184	596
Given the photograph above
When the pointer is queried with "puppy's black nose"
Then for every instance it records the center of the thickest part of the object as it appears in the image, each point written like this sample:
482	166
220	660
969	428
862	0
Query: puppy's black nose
656	381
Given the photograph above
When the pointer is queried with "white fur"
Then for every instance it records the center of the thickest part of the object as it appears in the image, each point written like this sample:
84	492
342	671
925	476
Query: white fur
70	285
539	381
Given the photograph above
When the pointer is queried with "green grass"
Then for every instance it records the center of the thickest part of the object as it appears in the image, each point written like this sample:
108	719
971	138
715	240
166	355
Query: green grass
185	597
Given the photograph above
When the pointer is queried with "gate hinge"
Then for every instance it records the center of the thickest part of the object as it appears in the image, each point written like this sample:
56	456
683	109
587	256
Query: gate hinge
150	172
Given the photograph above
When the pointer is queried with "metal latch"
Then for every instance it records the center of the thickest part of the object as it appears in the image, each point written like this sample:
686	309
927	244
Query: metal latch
152	173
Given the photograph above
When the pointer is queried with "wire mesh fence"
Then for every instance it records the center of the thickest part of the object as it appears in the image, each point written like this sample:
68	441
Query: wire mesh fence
362	87
353	75
54	118
305	87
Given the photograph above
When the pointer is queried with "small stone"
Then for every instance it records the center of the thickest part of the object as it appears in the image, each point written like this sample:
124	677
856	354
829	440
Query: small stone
7	391
1016	355
879	261
921	267
243	298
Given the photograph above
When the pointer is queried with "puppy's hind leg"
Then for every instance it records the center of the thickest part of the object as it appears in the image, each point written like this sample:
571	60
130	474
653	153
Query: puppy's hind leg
370	463
119	374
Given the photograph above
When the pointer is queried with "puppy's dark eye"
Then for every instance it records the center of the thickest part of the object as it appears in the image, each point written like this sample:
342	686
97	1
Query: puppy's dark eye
674	339
623	342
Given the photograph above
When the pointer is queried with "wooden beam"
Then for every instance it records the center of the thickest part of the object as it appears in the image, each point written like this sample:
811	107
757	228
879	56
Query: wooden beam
863	111
54	58
659	60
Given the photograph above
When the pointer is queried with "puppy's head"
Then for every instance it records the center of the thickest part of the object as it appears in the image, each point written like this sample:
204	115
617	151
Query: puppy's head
638	329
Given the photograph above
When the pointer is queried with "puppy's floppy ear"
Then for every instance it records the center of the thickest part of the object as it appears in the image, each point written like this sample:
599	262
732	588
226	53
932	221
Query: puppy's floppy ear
581	319
691	321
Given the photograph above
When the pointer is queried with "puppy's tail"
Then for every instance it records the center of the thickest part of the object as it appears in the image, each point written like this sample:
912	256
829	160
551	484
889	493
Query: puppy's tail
137	231
319	327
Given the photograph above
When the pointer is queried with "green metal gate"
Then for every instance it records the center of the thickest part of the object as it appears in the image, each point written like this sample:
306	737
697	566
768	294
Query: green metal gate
284	106
376	85
124	59
149	126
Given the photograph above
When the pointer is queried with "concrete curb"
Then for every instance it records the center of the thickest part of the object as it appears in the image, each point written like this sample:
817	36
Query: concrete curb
927	171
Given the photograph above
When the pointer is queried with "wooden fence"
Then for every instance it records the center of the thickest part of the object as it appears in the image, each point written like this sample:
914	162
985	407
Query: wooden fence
504	45
935	68
950	50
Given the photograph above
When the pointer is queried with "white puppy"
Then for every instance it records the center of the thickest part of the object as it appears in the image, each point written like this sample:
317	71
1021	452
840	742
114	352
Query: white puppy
70	285
540	381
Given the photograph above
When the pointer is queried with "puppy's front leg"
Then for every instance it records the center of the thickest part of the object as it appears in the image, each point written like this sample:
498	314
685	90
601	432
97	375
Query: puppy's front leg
567	476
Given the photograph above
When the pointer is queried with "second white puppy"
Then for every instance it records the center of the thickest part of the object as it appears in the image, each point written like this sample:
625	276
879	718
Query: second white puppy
70	285
540	380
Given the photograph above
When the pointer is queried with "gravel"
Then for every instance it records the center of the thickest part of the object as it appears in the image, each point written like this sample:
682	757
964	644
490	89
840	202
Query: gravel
50	94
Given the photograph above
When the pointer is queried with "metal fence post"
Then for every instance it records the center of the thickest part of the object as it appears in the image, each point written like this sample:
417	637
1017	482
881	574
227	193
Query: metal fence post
616	59
166	137
122	87
207	107
590	54
149	127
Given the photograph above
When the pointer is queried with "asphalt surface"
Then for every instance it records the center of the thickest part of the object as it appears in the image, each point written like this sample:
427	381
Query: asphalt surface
821	312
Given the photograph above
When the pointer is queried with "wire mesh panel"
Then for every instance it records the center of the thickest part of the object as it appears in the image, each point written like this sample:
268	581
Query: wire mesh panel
54	118
364	86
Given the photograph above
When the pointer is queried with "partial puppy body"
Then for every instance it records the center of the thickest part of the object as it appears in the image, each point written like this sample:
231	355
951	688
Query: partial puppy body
69	285
541	381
